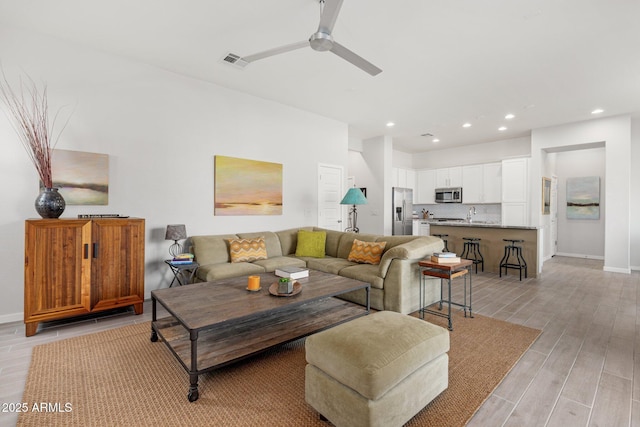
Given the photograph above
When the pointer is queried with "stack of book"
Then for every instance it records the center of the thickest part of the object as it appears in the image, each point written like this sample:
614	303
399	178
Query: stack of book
182	259
445	258
292	272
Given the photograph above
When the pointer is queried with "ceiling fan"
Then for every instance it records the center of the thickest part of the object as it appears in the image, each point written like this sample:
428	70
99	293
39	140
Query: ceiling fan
321	41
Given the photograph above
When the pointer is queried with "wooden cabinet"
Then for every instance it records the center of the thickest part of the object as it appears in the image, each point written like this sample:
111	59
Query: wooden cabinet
449	177
80	266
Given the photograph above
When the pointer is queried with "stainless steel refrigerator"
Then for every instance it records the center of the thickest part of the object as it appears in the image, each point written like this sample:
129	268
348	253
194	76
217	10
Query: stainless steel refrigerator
402	211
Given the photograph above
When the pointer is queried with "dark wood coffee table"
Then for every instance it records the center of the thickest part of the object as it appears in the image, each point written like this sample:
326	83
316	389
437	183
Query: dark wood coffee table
216	323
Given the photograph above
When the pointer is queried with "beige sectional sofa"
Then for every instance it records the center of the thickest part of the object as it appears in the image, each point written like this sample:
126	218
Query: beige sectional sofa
394	281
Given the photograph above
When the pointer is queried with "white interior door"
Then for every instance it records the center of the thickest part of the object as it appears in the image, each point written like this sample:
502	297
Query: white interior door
330	192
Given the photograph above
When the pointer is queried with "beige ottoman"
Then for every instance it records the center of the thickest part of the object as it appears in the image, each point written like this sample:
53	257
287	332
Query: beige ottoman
377	370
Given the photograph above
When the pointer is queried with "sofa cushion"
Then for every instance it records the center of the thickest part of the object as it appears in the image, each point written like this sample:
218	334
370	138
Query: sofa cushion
271	241
366	272
328	264
212	249
311	243
271	264
247	250
366	252
289	239
333	240
346	242
224	271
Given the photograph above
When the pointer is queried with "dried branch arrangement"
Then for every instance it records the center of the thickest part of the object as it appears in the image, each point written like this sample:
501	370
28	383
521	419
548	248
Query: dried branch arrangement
27	110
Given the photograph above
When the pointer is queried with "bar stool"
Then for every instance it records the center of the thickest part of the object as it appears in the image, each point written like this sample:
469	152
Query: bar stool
442	236
516	251
472	251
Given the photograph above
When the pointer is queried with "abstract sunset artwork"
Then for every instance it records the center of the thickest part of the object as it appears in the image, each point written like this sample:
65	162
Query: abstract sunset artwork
83	178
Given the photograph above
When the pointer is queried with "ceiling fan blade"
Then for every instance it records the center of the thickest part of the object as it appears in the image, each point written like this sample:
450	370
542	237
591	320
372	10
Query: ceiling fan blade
329	15
356	60
276	51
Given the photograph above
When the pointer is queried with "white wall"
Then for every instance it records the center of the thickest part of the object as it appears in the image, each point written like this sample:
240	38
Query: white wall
635	193
615	133
580	238
161	132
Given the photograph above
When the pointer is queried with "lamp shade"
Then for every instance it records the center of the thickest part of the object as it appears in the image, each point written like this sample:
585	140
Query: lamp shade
176	232
354	197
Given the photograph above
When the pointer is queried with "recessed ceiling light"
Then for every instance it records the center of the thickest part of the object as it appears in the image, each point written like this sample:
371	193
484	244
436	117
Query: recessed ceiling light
597	111
435	140
509	116
466	125
390	124
501	128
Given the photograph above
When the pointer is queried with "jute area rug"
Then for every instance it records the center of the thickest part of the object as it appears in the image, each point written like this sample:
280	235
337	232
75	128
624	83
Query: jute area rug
120	378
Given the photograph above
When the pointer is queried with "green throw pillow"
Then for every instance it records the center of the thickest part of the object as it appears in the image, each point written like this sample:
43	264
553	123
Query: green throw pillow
311	243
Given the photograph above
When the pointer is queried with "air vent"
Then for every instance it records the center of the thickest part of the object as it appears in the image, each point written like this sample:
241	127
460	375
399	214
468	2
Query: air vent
426	134
235	60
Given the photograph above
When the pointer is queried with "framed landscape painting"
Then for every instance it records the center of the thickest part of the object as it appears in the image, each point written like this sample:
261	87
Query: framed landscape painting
247	187
83	178
583	197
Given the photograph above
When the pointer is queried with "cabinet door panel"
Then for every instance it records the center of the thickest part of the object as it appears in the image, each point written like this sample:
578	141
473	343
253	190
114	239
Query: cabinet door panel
56	269
117	263
472	184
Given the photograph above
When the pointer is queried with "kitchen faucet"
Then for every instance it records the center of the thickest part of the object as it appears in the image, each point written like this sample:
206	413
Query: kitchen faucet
472	211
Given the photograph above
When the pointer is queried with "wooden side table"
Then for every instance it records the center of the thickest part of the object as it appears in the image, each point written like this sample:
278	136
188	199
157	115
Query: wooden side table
446	272
182	273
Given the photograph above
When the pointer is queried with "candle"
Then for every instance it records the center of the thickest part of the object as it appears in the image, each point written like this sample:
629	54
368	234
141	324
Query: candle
253	283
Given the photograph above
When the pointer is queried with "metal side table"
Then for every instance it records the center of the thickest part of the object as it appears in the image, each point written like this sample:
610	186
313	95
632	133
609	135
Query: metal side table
182	273
446	272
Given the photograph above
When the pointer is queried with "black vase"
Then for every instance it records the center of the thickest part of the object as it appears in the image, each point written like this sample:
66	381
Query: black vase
50	203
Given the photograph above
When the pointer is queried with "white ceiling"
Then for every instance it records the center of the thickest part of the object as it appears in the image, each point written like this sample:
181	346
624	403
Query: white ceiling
445	62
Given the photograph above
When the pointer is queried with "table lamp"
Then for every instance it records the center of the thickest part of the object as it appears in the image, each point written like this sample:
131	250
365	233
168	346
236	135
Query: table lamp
175	232
354	197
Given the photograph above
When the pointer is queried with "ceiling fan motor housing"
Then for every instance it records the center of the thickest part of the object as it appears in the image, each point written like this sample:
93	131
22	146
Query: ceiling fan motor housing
321	41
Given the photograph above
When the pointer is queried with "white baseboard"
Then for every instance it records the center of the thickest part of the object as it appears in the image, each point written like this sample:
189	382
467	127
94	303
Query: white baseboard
8	318
617	270
580	255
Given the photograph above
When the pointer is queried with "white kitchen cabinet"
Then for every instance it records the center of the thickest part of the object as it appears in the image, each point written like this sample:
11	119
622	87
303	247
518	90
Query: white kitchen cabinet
404	178
424	229
449	177
482	183
416	227
515	191
426	185
472	186
492	182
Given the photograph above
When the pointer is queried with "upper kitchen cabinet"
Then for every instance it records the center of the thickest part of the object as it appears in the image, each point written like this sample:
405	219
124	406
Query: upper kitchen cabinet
482	183
403	178
426	183
515	192
449	177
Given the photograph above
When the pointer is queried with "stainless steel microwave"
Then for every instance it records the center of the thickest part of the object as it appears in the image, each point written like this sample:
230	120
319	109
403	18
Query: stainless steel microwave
449	195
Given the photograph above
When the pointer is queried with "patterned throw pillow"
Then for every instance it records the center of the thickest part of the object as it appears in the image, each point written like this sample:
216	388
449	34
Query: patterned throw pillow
247	250
366	252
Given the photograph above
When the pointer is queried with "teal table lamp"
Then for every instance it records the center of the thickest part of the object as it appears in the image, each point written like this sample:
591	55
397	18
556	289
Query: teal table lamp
353	197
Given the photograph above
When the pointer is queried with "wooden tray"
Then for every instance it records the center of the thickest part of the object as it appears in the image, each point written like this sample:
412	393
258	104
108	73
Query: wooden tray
273	290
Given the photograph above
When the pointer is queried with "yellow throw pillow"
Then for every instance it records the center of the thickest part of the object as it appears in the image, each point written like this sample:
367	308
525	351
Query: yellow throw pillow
311	243
366	252
247	250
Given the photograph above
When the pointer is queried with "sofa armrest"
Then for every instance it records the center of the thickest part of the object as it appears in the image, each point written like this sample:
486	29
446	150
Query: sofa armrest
419	248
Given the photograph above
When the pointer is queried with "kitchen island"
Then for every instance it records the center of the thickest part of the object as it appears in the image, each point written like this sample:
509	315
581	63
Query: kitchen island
492	245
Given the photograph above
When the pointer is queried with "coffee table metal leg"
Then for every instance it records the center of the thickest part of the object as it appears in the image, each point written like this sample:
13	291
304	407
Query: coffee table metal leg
449	304
154	334
193	376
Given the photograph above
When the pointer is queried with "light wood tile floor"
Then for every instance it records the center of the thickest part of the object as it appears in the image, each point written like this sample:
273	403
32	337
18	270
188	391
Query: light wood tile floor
580	371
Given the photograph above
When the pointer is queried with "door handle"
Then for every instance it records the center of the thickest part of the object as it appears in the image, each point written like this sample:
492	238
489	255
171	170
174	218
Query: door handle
86	250
95	250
